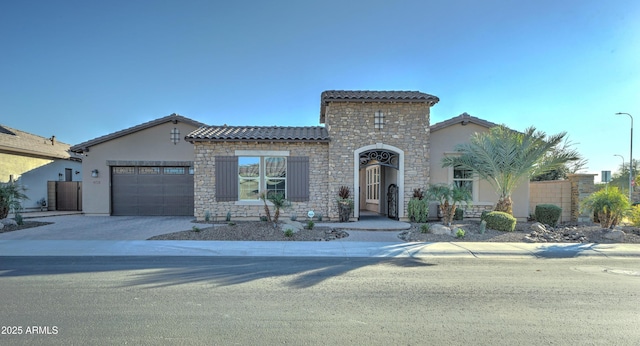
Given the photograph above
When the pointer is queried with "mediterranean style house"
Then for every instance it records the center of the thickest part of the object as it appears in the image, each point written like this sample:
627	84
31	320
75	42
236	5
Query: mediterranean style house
379	144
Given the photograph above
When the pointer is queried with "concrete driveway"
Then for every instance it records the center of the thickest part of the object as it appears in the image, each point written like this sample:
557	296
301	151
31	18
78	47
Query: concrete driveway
80	227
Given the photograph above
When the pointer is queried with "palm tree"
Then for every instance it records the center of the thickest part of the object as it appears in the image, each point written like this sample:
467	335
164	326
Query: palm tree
11	194
505	157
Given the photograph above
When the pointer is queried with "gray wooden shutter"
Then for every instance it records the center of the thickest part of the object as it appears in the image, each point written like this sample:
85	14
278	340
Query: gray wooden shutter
298	178
226	178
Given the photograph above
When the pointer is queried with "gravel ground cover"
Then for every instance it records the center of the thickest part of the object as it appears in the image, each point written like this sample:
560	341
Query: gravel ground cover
569	233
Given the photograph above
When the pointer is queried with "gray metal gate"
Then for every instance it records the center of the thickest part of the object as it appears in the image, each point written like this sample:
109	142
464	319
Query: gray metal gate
151	191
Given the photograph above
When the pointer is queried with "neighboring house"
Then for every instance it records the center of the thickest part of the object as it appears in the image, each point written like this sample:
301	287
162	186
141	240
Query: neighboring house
33	161
445	136
143	170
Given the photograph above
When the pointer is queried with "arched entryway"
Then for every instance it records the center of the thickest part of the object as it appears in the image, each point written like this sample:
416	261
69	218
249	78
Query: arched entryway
376	168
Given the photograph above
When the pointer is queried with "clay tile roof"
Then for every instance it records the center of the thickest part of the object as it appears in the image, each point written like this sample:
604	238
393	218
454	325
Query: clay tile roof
259	134
22	143
463	119
79	148
373	96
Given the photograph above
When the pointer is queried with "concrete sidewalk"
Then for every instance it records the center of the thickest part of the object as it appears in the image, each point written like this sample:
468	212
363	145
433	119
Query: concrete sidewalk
310	249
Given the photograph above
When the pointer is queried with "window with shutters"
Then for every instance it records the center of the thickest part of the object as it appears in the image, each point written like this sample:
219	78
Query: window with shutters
257	174
242	178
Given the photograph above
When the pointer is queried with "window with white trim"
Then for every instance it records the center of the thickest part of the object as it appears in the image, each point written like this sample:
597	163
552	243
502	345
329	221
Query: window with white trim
257	174
373	184
463	178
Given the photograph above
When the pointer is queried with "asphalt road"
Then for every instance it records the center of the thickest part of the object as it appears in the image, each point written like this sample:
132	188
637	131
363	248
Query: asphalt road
338	301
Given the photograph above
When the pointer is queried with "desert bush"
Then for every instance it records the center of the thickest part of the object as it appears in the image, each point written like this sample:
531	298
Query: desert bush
500	221
548	214
634	215
610	206
459	214
418	210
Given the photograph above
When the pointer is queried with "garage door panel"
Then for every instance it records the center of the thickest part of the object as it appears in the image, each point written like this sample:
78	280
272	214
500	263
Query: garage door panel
147	191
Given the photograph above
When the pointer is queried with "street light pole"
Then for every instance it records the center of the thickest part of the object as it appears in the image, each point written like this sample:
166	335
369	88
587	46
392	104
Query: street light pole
630	157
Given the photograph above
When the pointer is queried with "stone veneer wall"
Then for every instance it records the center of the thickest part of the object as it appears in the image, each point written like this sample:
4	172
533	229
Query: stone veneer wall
205	189
351	126
581	187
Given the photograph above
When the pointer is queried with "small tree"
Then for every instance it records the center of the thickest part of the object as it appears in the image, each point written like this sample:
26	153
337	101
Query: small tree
11	196
279	203
449	197
609	205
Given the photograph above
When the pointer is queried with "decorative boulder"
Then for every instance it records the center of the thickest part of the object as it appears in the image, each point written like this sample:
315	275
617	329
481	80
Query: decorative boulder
9	222
440	229
538	227
615	235
295	226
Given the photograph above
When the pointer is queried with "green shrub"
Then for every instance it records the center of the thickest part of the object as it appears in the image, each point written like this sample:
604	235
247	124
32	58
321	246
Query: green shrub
548	214
460	233
609	205
426	228
500	221
310	224
228	218
483	214
418	210
459	214
634	215
195	229
288	233
319	216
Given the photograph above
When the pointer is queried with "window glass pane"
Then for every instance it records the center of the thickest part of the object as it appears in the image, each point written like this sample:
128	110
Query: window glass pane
149	170
462	174
249	178
123	170
275	167
249	167
174	170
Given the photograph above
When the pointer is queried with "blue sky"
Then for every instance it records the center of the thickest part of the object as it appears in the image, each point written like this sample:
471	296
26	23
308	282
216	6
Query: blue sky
82	69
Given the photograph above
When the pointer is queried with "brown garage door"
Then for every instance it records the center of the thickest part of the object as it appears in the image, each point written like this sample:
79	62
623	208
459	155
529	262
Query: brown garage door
151	191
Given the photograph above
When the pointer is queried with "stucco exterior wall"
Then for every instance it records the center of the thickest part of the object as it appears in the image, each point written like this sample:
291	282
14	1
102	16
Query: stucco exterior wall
351	127
152	144
205	180
16	165
443	142
556	192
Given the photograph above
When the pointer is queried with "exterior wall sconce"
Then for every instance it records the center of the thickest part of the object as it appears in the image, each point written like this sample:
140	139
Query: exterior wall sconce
94	173
378	120
60	176
175	135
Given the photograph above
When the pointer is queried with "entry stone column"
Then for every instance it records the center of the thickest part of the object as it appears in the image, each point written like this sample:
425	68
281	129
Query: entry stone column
582	186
